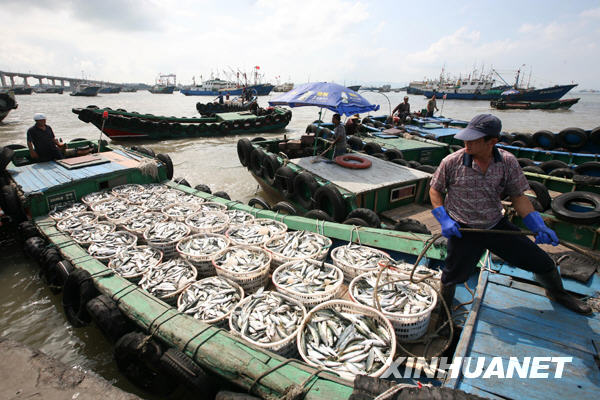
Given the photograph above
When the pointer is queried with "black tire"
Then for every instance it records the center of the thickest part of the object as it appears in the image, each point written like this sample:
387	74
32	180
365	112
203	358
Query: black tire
78	140
222	194
572	138
27	230
15	146
401	161
186	371
563	173
560	207
518	143
414	164
586	180
182	181
305	186
393	154
526	162
427	168
146	150
258	139
541	193
411	225
257	201
256	161
283	207
355	143
544	139
523	137
139	361
369	216
505	138
319	215
595	135
203	188
34	246
356	222
57	273
105	313
329	199
379	155
11	203
244	148
590	168
78	290
270	165
372	148
165	159
537	206
284	181
6	156
549	166
535	169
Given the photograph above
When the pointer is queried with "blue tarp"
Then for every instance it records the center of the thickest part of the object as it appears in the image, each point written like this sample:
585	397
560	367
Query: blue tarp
332	96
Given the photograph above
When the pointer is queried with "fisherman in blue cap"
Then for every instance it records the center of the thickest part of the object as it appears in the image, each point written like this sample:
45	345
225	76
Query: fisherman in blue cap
475	179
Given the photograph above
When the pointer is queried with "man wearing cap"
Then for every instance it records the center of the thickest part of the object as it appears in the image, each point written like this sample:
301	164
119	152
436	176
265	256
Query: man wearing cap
403	110
475	179
43	146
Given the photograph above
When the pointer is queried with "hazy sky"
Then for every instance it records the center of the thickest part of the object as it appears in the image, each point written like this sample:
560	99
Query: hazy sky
329	40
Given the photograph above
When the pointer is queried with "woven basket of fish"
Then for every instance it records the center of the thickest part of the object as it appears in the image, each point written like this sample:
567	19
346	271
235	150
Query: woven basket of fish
269	320
190	199
208	222
275	227
88	234
407	305
155	203
95	197
309	281
179	211
111	244
168	279
422	271
65	212
200	249
141	197
173	195
164	236
347	338
104	207
122	216
321	240
127	189
239	217
248	266
211	300
250	234
212	206
73	222
291	247
138	225
133	262
354	259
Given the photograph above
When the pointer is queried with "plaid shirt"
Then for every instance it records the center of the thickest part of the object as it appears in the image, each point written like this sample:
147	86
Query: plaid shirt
473	198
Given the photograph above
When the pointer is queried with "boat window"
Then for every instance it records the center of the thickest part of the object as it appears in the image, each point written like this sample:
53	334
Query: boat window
404	192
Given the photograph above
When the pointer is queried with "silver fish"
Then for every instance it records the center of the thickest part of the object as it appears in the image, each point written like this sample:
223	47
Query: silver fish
209	299
112	243
111	205
69	224
135	261
293	245
238	217
179	211
169	231
358	258
212	206
242	259
67	211
208	221
144	221
125	190
307	277
122	216
167	278
92	232
250	234
203	245
95	197
155	188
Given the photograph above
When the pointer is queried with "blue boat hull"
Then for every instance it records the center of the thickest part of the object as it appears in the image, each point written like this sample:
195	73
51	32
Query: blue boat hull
461	96
545	94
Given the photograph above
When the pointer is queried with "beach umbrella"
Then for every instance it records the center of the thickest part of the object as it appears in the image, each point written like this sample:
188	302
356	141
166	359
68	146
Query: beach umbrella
331	96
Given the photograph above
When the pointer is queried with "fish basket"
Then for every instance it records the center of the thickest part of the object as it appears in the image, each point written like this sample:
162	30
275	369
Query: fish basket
203	263
173	211
109	227
239	217
406	269
279	259
286	347
95	197
250	281
122	218
105	259
277	228
127	189
407	327
168	247
156	258
353	308
198	222
352	271
211	206
139	232
63	224
171	298
100	207
222	321
58	214
312	299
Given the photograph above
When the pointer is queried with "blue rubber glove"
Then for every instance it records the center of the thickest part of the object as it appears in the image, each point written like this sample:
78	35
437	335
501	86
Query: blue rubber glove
544	235
449	226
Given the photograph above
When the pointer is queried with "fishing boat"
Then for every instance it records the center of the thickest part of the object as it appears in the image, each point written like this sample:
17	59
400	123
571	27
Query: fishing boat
129	89
85	90
209	87
110	89
165	84
232	105
7	103
49	89
530	105
22	89
259	89
121	124
547	94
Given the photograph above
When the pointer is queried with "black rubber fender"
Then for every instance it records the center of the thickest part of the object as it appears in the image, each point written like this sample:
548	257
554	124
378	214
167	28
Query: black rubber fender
27	229
560	207
414	164
355	143
541	193
506	138
270	166
57	273
147	151
518	143
49	256
563	173
523	137
257	201
318	215
182	181
356	222
186	371
222	194
586	180
550	165
34	246
11	203
526	162
257	139
256	161
165	159
595	135
283	207
105	313
284	181
244	148
15	146
393	154
572	138
411	225
372	148
6	156
537	206
535	169
545	139
78	290
329	199
427	168
400	161
305	186
381	156
590	168
367	215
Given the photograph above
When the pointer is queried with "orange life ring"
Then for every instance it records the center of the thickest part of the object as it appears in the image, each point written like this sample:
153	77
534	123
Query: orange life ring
352	161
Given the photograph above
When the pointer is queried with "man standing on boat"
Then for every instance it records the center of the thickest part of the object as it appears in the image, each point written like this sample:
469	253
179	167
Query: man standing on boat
475	179
403	110
42	144
431	106
352	123
339	136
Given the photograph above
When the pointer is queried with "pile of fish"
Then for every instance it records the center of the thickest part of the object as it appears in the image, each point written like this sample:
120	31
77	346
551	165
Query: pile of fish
420	272
73	222
242	259
135	261
111	244
209	299
266	317
166	232
155	203
293	245
250	234
95	197
141	197
64	212
179	211
239	217
275	227
168	278
208	221
104	207
144	221
403	298
121	216
126	190
203	246
210	206
302	236
308	278
92	232
355	259
346	342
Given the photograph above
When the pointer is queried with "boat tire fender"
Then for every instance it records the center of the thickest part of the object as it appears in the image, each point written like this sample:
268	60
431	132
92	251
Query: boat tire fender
257	139
108	318
27	230
372	148
523	137
392	154
165	159
563	173
356	222
551	165
328	198
414	164
369	216
544	139
78	290
15	146
411	225
305	186
318	215
284	181
222	194
185	370
381	156
270	166
283	207
506	138
57	274
34	246
353	161
203	188
427	168
182	181
526	162
256	161
541	193
535	169
518	143
11	203
6	156
259	203
147	151
355	143
590	168
537	206
560	207
586	180
400	161
595	135
244	148
572	138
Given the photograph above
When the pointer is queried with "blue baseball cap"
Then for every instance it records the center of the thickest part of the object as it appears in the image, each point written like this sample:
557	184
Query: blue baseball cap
481	125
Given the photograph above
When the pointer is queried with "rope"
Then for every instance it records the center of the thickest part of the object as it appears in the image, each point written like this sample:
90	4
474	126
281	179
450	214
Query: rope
267	372
391	391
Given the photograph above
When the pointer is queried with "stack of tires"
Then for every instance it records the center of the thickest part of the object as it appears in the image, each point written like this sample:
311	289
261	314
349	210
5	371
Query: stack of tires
568	139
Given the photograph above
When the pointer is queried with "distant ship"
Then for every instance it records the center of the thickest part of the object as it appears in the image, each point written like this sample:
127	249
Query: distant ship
477	86
85	90
22	89
216	86
49	89
110	89
284	87
210	87
164	84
